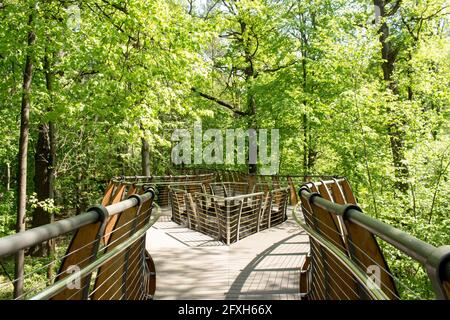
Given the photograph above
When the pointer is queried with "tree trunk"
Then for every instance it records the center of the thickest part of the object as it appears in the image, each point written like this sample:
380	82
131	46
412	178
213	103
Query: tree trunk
52	164
395	131
43	177
253	144
78	189
305	145
8	176
23	154
51	133
145	153
42	185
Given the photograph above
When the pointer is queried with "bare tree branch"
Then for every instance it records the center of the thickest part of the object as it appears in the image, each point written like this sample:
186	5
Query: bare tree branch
211	8
116	6
435	14
108	16
191	6
220	102
408	27
280	67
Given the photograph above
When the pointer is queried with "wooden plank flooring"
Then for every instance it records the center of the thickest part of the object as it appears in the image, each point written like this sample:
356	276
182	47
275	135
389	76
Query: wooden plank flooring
191	265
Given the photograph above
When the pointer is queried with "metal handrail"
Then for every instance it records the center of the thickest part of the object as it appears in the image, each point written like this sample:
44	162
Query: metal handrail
63	283
279	189
135	179
233	198
168	183
19	241
435	259
355	270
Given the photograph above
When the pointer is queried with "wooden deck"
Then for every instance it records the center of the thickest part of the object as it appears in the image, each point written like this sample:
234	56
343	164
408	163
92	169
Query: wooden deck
191	265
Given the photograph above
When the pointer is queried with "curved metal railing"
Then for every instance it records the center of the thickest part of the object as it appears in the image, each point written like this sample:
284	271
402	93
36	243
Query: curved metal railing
57	287
436	260
114	258
352	267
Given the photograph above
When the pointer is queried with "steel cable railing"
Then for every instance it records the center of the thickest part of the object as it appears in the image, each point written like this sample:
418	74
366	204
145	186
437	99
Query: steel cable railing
162	184
114	258
340	235
351	266
228	211
89	269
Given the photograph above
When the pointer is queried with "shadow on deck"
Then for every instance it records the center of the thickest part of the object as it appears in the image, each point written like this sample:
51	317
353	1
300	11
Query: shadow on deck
191	265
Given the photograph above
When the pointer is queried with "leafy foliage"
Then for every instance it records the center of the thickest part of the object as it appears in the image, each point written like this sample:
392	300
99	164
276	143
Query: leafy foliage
124	71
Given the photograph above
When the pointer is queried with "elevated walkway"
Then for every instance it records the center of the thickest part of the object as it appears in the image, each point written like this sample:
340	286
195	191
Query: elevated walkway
192	265
129	248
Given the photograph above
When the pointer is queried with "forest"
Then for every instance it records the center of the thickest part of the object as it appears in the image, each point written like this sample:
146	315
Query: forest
94	89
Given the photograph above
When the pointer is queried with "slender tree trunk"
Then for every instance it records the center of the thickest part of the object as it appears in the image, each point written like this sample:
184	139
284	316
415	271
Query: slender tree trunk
145	154
52	166
51	133
8	176
23	153
312	153
305	145
8	188
305	117
78	189
410	78
51	193
252	122
252	167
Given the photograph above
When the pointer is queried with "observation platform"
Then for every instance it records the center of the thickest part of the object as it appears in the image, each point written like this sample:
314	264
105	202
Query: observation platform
192	265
